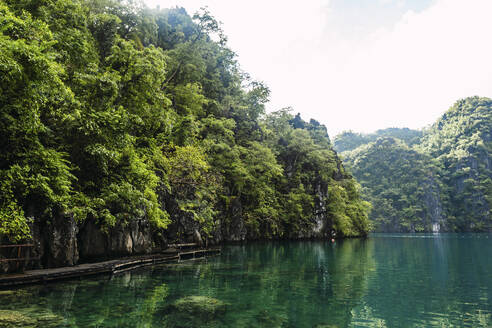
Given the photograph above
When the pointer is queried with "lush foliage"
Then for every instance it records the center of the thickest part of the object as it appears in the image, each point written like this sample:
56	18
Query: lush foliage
444	180
461	140
400	183
349	140
109	110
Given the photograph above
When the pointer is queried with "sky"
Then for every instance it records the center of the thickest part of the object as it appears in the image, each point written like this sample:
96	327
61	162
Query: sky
360	65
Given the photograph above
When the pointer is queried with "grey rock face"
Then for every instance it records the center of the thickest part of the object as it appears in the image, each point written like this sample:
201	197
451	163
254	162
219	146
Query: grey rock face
433	204
60	241
60	237
120	240
141	235
93	241
236	229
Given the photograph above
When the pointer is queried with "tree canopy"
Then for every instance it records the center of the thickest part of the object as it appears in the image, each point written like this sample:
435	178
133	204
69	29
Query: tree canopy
442	178
111	112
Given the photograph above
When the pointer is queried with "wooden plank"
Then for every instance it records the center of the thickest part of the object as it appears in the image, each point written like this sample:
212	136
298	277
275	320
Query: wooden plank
19	259
183	245
20	245
187	253
86	269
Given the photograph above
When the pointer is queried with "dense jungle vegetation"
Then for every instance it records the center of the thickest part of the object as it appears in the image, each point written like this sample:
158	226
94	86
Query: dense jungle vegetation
109	109
440	177
349	140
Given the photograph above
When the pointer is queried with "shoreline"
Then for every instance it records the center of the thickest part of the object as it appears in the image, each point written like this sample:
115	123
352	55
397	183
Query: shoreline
114	266
175	252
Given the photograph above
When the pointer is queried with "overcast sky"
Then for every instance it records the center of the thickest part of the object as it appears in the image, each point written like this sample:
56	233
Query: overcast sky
360	65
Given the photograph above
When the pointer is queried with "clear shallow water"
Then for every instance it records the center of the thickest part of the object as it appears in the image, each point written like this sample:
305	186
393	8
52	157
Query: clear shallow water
387	280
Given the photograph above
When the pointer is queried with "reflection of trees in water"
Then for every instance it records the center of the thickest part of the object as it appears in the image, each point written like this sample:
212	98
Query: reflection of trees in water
284	284
122	302
384	282
432	282
294	284
130	300
345	274
418	282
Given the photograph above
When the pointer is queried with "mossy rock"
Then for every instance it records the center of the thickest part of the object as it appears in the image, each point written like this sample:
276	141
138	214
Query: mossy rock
14	296
29	317
14	319
202	306
48	319
194	311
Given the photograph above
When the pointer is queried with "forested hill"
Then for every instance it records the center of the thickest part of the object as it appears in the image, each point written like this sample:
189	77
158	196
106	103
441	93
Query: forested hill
124	127
350	140
441	181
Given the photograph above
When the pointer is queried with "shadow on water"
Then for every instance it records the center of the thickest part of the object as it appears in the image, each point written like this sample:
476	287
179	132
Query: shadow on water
382	281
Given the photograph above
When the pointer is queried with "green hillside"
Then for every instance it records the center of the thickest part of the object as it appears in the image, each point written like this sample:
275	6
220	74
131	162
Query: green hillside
461	141
436	179
400	183
350	140
122	116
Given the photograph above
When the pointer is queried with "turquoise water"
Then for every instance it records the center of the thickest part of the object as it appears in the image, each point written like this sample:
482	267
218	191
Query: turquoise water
387	280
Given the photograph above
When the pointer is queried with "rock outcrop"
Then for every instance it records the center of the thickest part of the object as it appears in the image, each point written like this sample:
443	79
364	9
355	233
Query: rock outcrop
133	238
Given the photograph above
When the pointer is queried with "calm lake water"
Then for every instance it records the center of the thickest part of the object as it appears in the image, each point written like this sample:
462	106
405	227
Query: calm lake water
387	280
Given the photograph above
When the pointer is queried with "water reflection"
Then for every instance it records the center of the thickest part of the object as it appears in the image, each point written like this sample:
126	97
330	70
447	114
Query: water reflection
429	280
382	281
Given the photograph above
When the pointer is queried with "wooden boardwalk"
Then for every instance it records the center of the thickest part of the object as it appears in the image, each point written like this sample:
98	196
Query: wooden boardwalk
106	267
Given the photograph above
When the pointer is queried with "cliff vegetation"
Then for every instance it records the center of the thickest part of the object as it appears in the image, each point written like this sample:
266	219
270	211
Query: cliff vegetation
124	127
437	179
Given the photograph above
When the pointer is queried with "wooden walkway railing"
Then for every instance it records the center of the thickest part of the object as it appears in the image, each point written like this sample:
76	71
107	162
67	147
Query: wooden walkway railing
183	246
19	259
107	267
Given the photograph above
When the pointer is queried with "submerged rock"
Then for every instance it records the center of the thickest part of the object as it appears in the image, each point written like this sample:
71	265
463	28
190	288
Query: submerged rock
194	311
8	298
48	319
14	319
202	306
33	317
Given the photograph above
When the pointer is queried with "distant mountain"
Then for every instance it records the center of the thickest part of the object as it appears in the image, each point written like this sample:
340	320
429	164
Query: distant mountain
461	141
401	183
438	179
350	140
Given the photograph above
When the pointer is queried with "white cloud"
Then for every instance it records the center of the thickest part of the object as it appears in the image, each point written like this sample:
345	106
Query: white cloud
361	76
408	76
